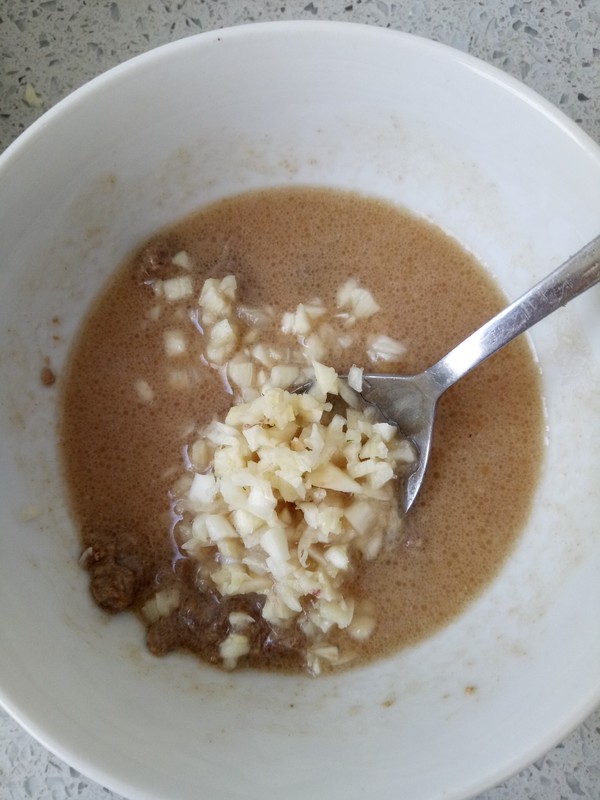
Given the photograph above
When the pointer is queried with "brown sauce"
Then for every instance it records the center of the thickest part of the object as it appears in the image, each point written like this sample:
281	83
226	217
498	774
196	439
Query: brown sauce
286	246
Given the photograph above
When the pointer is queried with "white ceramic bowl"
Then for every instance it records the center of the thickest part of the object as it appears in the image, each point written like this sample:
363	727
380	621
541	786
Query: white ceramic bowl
298	103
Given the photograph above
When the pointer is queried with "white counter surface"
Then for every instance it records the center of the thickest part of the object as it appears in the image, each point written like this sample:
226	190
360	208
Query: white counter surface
54	46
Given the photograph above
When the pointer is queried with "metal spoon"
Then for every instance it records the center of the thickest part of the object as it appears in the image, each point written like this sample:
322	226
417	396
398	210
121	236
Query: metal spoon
410	400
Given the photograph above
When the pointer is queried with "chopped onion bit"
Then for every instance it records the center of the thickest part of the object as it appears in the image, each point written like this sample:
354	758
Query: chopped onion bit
175	289
355	376
182	259
383	348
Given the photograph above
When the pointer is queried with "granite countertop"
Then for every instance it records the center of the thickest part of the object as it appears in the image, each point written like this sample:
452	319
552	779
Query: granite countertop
50	47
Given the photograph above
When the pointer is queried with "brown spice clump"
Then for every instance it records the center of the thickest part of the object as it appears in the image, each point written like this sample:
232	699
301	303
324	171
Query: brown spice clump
47	376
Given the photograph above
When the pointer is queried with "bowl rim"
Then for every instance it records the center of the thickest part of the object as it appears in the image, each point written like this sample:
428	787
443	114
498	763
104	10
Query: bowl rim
139	62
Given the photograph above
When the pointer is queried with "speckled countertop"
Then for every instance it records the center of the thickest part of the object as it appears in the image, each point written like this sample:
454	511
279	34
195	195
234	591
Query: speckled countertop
50	47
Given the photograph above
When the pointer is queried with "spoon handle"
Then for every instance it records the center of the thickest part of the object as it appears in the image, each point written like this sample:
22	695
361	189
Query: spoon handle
578	273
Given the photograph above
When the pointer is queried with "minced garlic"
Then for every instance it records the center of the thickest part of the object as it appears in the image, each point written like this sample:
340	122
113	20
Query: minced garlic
286	494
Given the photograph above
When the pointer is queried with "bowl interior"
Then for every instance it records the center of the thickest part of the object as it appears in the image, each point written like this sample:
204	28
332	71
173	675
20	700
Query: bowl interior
322	104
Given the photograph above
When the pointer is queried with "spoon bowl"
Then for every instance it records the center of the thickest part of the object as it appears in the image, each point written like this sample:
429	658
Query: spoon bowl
409	401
